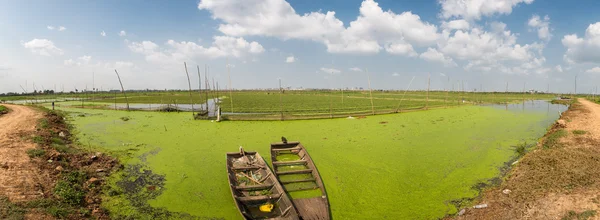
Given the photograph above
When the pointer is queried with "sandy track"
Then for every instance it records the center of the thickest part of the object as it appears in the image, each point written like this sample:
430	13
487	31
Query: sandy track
19	178
588	121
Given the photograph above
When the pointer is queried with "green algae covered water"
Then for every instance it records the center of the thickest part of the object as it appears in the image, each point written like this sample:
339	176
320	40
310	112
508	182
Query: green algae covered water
401	166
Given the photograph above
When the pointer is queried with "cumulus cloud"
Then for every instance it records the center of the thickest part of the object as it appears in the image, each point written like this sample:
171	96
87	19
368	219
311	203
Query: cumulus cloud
123	33
495	49
593	70
355	69
395	74
435	56
83	60
558	68
460	24
50	27
42	47
222	46
332	71
373	30
103	34
61	28
541	25
290	59
475	9
584	49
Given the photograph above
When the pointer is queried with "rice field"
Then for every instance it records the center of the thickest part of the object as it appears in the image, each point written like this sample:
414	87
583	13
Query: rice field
415	165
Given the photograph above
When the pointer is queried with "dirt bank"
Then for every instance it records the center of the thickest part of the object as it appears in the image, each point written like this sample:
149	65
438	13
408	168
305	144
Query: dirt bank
20	179
43	174
559	179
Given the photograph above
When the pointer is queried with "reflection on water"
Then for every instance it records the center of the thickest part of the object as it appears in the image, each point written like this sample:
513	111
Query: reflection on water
534	106
213	104
35	101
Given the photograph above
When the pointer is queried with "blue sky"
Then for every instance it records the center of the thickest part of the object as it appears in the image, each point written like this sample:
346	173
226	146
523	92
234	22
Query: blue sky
490	43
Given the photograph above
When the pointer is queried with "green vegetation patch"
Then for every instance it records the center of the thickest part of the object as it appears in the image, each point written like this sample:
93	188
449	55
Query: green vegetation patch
10	211
416	159
553	139
3	110
579	132
36	152
572	215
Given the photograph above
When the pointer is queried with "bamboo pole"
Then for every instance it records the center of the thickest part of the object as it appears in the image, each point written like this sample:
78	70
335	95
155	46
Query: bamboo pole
200	88
446	99
206	85
280	100
122	89
370	92
398	108
428	84
190	86
230	88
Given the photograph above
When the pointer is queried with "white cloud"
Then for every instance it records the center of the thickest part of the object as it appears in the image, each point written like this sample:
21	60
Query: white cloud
42	47
123	33
373	30
50	27
593	70
492	50
585	49
83	60
395	74
103	34
435	56
558	68
330	70
460	24
355	69
475	9
442	74
61	28
401	49
290	59
541	25
222	46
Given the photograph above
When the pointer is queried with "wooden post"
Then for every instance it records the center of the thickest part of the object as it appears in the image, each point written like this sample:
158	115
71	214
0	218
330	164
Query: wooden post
400	103
122	89
370	92
446	99
280	101
206	85
230	88
200	88
190	86
428	83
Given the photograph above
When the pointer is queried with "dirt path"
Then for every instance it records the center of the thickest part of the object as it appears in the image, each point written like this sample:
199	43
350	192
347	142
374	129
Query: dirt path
557	182
19	178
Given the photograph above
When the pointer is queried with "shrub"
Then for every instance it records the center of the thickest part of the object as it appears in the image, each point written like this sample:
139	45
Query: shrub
69	193
579	132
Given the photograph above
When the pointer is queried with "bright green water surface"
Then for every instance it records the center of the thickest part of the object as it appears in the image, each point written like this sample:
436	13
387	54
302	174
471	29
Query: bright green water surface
407	168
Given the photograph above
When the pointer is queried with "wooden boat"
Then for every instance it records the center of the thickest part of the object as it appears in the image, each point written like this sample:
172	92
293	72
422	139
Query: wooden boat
298	174
255	190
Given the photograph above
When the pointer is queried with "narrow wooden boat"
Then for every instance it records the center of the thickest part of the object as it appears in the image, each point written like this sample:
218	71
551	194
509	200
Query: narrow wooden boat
255	190
298	174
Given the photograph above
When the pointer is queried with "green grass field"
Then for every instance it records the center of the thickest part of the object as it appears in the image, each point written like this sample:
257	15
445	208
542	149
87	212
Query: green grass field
318	103
400	166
